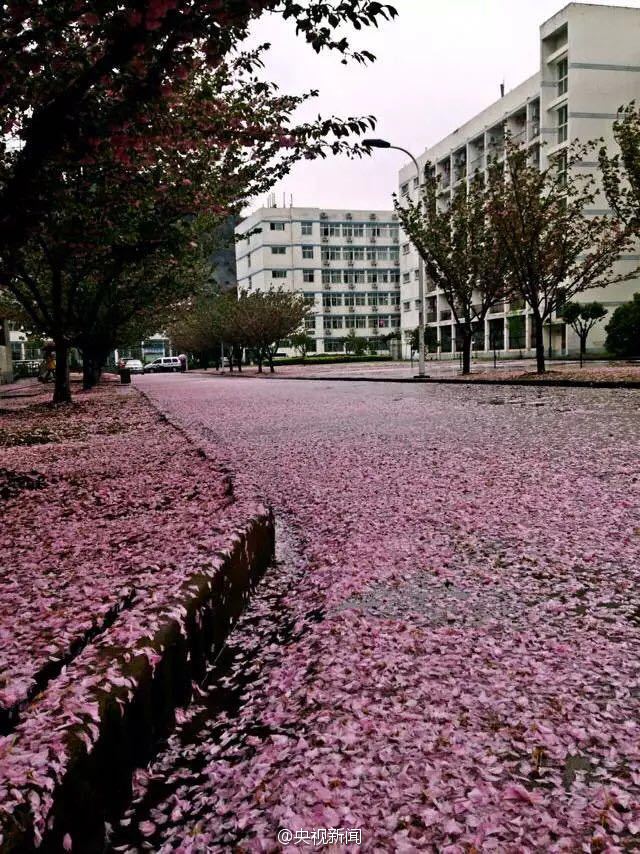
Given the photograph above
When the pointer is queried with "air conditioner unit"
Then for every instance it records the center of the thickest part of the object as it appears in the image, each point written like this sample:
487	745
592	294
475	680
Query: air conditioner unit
349	239
373	216
394	217
350	263
351	309
374	286
352	287
374	308
349	216
373	239
324	215
374	263
326	263
396	263
325	239
327	286
396	239
328	332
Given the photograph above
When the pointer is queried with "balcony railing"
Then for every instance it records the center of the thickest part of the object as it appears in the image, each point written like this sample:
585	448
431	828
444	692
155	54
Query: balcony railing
498	308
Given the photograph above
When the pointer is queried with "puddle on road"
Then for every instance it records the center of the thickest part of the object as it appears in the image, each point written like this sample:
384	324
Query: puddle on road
181	762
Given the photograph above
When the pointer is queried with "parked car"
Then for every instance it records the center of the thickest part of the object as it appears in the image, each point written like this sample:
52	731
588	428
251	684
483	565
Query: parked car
164	364
133	365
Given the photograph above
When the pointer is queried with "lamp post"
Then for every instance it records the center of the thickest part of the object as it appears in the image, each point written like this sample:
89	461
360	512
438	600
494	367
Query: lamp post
382	143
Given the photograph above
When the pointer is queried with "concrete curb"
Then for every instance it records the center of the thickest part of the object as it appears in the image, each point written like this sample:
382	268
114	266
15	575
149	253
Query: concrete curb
619	384
95	784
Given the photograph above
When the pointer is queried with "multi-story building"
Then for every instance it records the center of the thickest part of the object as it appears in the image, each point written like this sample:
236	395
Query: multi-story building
589	66
346	263
6	371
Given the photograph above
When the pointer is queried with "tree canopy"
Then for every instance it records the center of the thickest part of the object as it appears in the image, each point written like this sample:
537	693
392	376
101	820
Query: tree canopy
461	253
554	247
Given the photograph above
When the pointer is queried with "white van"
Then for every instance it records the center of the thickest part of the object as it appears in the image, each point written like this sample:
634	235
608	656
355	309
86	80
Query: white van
163	365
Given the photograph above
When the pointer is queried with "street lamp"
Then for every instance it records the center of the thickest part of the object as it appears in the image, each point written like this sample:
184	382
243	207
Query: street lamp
382	143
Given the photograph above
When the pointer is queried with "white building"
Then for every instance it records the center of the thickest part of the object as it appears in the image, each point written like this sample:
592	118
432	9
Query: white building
589	67
346	263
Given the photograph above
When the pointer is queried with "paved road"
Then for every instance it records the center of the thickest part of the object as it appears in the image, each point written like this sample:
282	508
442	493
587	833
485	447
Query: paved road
447	655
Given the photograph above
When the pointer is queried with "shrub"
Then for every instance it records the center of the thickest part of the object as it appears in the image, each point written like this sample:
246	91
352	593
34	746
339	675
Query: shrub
623	330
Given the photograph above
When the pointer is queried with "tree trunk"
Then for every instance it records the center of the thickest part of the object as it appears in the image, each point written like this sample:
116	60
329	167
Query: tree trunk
467	339
272	370
90	373
539	332
259	365
62	390
91	369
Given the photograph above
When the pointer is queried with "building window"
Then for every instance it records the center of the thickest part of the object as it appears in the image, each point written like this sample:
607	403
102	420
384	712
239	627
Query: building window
349	299
384	323
310	324
358	230
406	306
561	166
308	276
361	322
395	278
337	323
416	183
307	252
372	299
330	253
330	230
563	124
278	250
347	231
307	228
276	226
350	323
360	299
309	299
562	69
336	299
416	274
405	248
395	323
395	300
249	259
383	299
249	283
406	277
404	189
278	274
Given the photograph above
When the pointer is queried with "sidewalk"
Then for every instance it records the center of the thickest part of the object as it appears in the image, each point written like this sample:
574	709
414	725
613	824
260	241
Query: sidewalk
126	554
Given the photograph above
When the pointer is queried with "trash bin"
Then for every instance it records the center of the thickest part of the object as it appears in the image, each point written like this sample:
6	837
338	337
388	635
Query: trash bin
125	376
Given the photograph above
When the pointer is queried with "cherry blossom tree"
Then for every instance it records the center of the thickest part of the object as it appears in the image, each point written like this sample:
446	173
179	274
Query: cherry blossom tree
582	317
79	75
123	218
265	318
554	248
621	171
460	251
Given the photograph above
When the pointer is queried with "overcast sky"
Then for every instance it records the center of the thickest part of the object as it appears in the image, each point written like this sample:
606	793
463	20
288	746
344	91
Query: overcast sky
438	64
